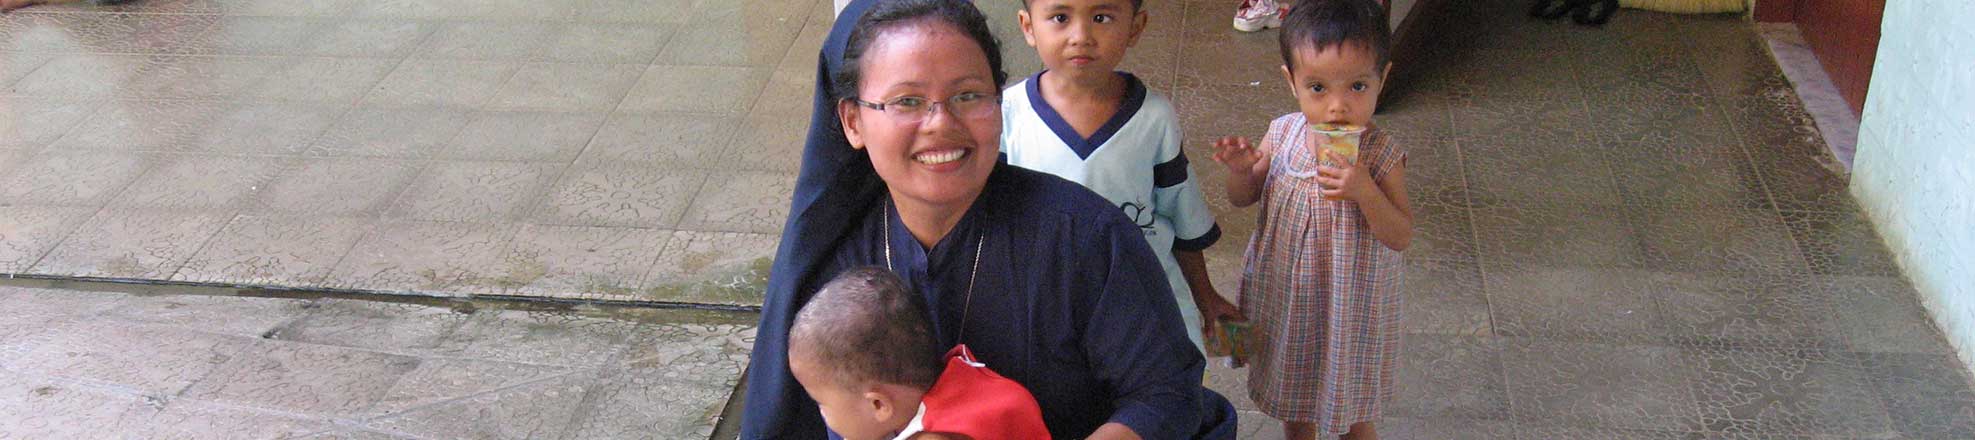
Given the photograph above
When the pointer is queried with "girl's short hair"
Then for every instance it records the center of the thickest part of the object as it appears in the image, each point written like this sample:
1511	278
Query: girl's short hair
892	14
1323	24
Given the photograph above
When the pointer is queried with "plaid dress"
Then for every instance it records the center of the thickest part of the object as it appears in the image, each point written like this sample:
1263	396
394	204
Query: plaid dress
1322	292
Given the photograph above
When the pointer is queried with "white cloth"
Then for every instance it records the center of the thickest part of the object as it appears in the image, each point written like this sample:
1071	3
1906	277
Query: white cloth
1136	160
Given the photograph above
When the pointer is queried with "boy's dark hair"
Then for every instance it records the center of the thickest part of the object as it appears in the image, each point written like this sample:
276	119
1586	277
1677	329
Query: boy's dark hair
1137	5
865	325
892	14
1324	24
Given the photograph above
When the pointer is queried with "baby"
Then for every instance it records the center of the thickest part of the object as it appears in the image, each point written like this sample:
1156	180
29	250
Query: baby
864	350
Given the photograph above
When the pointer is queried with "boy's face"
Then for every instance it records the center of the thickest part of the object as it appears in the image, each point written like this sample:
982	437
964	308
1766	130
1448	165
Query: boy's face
1337	84
854	414
1081	37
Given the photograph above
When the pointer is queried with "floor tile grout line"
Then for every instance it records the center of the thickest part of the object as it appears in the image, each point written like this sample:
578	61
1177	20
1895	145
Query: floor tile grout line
378	221
232	217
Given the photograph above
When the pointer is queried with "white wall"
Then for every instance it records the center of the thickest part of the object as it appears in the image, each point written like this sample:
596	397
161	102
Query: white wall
1915	169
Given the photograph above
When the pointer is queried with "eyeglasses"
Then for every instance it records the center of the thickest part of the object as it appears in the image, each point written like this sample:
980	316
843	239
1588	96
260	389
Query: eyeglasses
915	109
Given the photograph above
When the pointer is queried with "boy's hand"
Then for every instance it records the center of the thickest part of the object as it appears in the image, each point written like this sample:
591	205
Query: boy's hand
1213	309
1348	182
1241	157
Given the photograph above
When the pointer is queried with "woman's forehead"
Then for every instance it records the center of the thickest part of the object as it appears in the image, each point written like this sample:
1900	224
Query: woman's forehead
928	43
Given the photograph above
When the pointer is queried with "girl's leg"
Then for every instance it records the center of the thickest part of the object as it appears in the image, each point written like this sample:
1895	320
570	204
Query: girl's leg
1299	430
1362	431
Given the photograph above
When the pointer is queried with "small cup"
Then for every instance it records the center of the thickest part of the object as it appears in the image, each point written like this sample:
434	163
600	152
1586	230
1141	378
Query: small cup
1230	339
1342	139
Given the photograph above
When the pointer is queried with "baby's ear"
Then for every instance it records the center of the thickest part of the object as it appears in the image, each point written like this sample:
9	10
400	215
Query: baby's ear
881	405
939	436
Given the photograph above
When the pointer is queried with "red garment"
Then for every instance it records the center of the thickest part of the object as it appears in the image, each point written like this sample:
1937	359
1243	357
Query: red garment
971	400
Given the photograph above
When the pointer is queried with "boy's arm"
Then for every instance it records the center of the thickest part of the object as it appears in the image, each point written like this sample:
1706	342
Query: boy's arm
1213	308
1178	198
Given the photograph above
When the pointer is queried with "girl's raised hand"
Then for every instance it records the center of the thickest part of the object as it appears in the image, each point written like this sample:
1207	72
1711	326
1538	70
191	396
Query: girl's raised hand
1350	181
1241	157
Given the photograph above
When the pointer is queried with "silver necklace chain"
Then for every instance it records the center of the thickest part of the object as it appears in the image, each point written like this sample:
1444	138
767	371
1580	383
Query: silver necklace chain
972	273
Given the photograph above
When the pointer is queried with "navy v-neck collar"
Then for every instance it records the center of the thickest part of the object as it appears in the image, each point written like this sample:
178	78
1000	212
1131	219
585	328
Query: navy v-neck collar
1134	98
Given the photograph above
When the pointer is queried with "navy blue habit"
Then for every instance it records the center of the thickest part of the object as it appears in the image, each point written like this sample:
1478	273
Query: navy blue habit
1093	333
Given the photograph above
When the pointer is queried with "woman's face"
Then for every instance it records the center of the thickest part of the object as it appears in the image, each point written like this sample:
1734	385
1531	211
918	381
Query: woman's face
942	160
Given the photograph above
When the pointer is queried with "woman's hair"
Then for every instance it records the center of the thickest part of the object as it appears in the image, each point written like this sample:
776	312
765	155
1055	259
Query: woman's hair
1324	24
866	326
888	15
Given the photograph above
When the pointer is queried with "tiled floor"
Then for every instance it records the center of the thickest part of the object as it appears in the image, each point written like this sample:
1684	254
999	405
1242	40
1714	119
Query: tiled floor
87	360
1626	232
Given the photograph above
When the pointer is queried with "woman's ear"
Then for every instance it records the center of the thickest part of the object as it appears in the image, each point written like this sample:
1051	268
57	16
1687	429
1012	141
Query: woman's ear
848	115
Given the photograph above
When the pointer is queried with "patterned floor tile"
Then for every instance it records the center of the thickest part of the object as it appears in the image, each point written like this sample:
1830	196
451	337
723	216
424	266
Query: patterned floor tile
1882	315
679	395
620	196
304	378
437	381
1726	310
426	256
452	83
1557	235
580	262
149	359
34	123
147	125
474	191
609	43
339	81
396	327
711	267
1537	173
524	136
1612	386
661	140
242	316
265	129
352	187
1445	297
1840	243
766	142
1788	391
29	232
488	41
188	420
742	202
199	183
696	89
1451	376
378	132
367	38
542	338
1726	240
1592	305
566	87
1928	396
540	409
201	77
131	244
80	75
53	409
280	251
